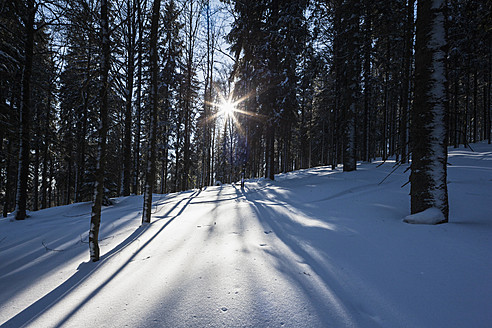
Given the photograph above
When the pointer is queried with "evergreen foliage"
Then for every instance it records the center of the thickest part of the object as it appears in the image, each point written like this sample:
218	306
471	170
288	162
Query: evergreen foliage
313	83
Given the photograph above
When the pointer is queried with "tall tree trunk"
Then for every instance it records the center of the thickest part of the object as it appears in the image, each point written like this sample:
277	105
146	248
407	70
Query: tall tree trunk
44	172
8	181
270	151
456	114
50	183
367	82
45	148
35	187
467	104
154	71
486	105
25	114
103	128
351	72
68	182
212	157
488	95
206	160
475	103
82	127
127	139
407	67
429	130
138	107
188	100
177	147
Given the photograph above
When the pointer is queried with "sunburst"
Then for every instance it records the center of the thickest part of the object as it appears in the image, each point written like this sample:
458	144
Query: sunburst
228	108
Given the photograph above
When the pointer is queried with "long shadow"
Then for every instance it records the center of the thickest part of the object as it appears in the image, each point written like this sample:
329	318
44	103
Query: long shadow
292	234
85	270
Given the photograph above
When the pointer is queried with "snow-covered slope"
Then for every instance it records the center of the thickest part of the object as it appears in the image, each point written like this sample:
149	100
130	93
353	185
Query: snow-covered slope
315	248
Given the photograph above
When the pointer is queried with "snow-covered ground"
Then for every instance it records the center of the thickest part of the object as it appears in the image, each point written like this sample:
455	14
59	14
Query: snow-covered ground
315	248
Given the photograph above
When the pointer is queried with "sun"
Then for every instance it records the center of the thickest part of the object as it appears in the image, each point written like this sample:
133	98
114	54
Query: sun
227	108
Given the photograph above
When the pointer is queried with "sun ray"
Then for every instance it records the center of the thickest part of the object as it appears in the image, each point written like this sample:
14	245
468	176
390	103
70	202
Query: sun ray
228	108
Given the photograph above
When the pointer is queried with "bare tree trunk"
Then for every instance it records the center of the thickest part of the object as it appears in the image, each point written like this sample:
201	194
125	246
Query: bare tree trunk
82	128
475	103
407	67
456	138
486	102
467	104
206	156
127	139
429	129
25	114
138	109
35	187
270	151
44	172
188	97
351	71
68	182
103	128
367	83
488	97
8	181
154	71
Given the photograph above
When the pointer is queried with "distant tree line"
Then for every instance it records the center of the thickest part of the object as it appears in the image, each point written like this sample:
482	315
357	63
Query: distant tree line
124	97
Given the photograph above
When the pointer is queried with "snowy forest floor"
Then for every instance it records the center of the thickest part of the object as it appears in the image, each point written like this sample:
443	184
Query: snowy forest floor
314	248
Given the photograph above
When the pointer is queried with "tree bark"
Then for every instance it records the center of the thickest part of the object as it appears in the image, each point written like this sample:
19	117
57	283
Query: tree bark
154	71
35	187
351	71
103	128
367	83
25	115
138	107
8	180
407	67
429	130
127	139
270	151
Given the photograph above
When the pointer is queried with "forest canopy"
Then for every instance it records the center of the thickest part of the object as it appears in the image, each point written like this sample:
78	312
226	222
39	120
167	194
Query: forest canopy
197	93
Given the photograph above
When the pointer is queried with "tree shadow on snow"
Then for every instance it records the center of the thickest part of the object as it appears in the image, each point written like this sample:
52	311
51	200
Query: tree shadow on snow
328	303
87	269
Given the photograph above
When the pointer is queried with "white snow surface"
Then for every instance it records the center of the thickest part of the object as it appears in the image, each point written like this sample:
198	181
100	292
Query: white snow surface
314	248
431	215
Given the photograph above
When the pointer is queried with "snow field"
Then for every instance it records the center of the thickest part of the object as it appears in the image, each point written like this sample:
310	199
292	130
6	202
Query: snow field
314	248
